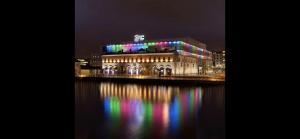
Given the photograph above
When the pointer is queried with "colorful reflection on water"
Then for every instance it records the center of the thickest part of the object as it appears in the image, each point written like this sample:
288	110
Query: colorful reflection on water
118	110
163	107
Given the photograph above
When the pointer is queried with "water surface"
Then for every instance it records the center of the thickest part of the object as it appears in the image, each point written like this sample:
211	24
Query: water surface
133	111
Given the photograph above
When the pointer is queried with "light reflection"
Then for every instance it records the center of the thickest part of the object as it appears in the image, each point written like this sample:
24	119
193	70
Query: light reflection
139	105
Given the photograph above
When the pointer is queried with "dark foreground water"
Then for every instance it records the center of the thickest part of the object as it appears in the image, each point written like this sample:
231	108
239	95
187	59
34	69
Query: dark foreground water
136	111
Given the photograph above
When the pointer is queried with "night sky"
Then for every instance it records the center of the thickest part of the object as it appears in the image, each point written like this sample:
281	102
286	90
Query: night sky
99	22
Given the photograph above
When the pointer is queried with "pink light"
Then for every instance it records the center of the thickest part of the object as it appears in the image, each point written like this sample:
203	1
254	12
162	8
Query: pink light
157	113
124	108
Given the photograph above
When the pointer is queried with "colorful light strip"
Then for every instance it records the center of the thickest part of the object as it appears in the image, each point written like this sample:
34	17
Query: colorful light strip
152	46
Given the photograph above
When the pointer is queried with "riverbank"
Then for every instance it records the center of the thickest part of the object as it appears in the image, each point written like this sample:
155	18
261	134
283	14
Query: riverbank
178	80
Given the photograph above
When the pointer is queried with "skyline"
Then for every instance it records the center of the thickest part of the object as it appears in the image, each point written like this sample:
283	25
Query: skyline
99	22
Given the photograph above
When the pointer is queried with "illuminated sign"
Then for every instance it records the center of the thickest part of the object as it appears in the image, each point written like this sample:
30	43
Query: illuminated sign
139	38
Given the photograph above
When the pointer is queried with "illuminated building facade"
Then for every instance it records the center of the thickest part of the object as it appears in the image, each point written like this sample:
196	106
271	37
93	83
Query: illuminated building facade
163	57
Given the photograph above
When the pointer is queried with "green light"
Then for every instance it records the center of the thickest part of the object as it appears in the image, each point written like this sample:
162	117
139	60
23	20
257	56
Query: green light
148	112
115	108
192	102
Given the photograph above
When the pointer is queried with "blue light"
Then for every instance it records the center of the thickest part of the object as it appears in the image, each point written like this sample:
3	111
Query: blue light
107	106
174	114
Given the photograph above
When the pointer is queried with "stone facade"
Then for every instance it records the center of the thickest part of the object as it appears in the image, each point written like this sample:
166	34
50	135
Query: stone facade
149	64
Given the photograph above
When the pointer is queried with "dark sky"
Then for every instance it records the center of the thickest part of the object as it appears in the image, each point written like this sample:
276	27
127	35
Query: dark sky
98	22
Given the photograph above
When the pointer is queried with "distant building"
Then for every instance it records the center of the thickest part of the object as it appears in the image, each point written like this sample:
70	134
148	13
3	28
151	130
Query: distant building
95	63
157	57
77	67
219	61
95	60
81	67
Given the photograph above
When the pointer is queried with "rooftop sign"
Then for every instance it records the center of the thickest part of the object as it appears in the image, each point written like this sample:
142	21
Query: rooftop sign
139	38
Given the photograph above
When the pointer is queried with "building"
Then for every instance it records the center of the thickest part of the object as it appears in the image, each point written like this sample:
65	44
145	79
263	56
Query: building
77	67
95	60
96	64
81	67
219	61
158	57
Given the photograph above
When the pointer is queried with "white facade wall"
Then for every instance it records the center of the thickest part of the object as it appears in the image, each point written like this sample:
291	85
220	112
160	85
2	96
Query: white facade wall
180	65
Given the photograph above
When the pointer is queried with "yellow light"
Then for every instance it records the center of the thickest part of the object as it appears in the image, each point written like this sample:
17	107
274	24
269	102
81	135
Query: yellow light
165	114
147	60
149	97
144	92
